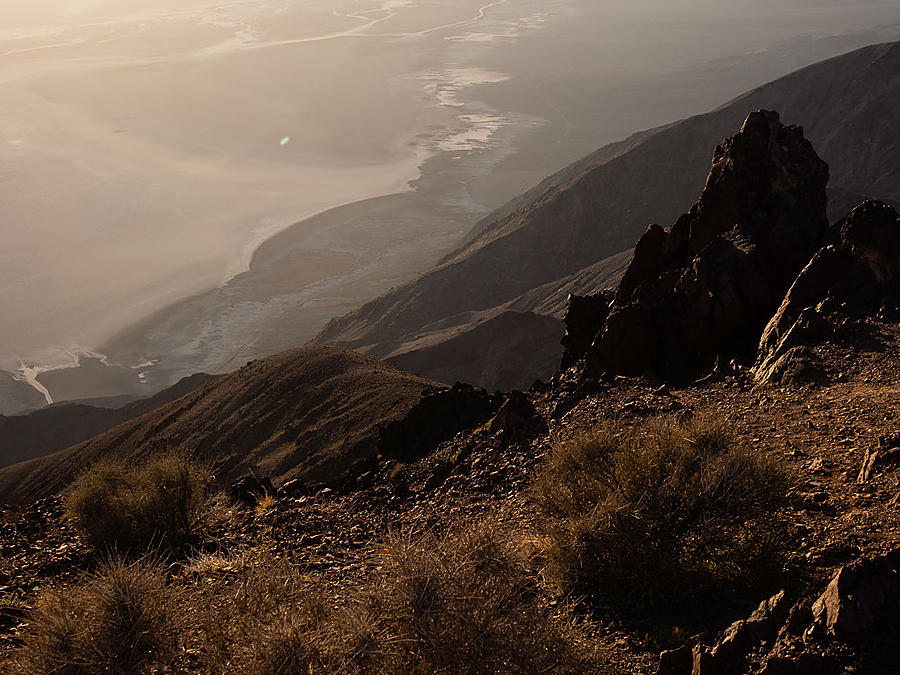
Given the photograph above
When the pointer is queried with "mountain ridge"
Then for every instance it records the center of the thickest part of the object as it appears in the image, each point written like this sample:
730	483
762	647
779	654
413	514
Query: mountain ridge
311	412
55	427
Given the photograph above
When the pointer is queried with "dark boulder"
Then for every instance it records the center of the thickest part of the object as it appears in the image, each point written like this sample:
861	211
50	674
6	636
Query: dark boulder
585	315
705	288
856	618
728	654
858	270
516	413
859	596
250	488
437	417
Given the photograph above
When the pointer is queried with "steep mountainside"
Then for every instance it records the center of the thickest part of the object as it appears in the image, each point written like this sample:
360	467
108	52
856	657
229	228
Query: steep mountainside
509	346
50	429
602	204
312	412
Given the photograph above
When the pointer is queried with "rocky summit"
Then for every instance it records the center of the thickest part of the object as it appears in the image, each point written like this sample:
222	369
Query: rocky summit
744	273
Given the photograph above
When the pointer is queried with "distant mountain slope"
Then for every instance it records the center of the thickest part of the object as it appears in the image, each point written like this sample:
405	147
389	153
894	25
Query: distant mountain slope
496	346
602	204
509	346
17	396
311	412
47	430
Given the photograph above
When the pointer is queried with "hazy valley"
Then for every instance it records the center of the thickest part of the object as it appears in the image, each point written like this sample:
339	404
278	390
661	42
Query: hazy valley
177	202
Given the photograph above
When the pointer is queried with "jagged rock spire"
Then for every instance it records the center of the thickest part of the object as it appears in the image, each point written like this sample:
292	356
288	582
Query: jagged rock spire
705	288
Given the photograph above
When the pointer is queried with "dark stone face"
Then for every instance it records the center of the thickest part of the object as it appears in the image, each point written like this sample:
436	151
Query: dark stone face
856	270
436	417
705	288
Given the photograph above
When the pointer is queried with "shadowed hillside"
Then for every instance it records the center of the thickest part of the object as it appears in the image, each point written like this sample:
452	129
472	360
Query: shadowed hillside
16	396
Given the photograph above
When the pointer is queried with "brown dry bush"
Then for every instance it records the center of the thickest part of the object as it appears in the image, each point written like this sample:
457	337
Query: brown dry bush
118	505
467	602
123	620
463	603
261	615
648	516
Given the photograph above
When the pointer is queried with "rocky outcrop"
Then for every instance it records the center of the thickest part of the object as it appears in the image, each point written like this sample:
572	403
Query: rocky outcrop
516	414
857	271
728	654
584	318
704	289
858	595
435	418
859	608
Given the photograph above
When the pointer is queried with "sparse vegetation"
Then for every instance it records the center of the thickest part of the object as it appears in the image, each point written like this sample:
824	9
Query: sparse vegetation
455	604
117	505
123	619
467	602
258	614
641	518
264	502
648	516
462	603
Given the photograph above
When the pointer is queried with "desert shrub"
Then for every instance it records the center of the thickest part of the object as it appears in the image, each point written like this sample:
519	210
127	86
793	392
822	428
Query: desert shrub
131	507
265	502
122	619
467	602
260	615
647	516
463	603
215	524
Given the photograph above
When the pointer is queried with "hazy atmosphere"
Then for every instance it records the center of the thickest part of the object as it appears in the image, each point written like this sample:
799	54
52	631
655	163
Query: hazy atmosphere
465	337
150	148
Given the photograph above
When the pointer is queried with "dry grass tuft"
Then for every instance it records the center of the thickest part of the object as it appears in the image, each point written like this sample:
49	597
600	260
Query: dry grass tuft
264	502
123	619
264	616
117	505
467	602
646	517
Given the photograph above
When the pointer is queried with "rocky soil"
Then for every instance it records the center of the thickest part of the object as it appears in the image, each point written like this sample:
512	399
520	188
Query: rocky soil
839	437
